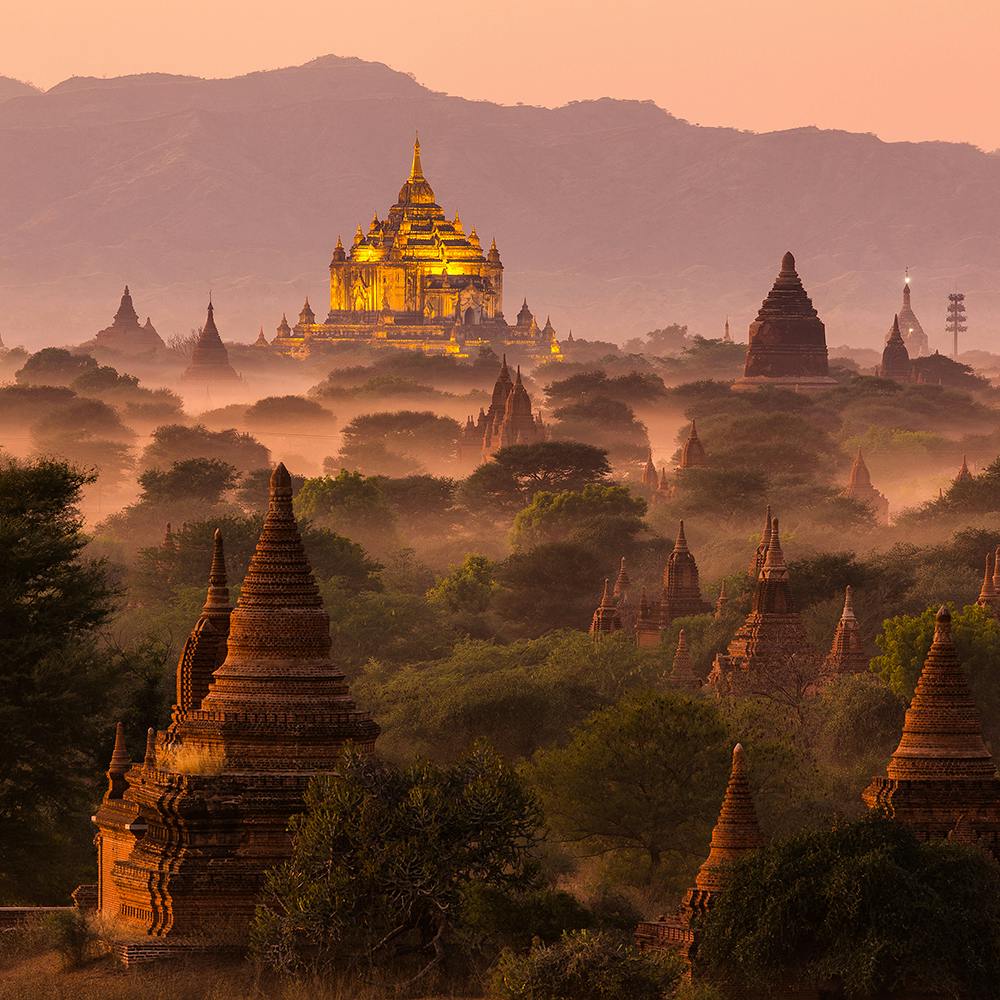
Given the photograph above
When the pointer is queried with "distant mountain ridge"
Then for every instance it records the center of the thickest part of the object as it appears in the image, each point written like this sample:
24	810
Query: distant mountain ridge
613	216
9	87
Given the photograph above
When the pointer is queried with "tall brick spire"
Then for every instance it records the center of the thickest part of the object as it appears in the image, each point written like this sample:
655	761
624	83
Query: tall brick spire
846	654
988	596
120	763
761	553
693	452
681	587
607	618
682	674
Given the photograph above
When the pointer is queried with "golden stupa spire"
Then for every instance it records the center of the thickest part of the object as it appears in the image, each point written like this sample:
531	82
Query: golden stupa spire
416	170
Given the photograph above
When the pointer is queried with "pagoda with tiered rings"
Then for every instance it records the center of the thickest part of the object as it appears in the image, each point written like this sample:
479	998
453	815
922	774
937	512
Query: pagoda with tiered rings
787	344
942	779
185	837
418	280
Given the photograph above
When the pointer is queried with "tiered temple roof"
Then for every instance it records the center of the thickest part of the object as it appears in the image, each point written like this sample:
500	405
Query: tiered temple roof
847	653
210	359
989	595
693	452
606	618
859	487
682	673
942	775
126	335
787	342
760	554
508	421
964	473
736	833
681	588
184	850
916	341
772	636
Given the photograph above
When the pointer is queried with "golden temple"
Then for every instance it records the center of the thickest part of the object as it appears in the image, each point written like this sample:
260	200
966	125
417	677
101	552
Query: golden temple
418	280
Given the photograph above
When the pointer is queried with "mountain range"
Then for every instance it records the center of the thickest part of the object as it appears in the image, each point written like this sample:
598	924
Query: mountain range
613	216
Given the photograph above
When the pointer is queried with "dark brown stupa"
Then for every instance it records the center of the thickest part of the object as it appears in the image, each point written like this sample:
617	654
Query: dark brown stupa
682	673
772	635
989	596
681	589
210	359
127	335
736	833
787	343
942	773
757	564
184	849
895	357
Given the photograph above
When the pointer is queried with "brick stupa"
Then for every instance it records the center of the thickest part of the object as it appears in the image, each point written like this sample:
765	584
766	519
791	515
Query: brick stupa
787	342
989	594
606	618
210	360
772	635
185	837
847	652
896	364
942	778
736	833
859	487
693	453
126	335
682	673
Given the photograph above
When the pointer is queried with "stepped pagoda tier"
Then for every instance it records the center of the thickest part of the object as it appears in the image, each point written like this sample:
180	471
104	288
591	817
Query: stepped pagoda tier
736	833
721	602
895	357
787	343
693	452
127	335
606	617
917	344
859	487
964	473
210	360
772	638
847	654
681	588
650	480
508	421
942	780
184	841
418	280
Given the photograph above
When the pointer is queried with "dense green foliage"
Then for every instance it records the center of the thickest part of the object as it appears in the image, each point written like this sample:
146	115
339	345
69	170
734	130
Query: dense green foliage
383	857
865	908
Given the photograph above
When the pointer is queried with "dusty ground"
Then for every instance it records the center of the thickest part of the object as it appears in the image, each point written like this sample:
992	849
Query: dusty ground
41	977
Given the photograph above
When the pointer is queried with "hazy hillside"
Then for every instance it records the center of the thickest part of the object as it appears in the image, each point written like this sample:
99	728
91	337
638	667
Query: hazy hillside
612	215
15	88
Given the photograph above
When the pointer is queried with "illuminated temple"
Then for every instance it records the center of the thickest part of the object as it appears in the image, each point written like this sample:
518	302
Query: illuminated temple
417	280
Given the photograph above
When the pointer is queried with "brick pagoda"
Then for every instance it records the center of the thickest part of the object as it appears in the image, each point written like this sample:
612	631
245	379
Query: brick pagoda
772	636
681	589
787	343
942	779
896	364
693	453
184	838
859	487
210	360
847	653
682	673
606	618
736	833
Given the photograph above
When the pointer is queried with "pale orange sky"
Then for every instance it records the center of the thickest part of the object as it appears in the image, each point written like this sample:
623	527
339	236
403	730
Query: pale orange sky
880	66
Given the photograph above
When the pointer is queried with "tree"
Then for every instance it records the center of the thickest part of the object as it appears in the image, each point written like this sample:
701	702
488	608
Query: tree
176	443
633	388
550	586
398	443
351	504
586	966
605	518
382	858
513	476
254	489
905	641
644	776
420	501
276	413
467	589
54	366
23	405
605	423
865	908
54	691
203	480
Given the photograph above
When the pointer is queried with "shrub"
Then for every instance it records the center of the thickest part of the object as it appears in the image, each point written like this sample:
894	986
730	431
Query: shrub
70	935
584	965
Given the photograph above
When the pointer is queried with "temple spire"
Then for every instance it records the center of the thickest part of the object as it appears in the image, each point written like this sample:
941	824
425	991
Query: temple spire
119	764
682	673
775	567
622	581
416	170
988	592
680	544
150	759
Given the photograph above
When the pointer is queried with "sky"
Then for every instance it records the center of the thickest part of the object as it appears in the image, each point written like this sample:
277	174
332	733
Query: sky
925	69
